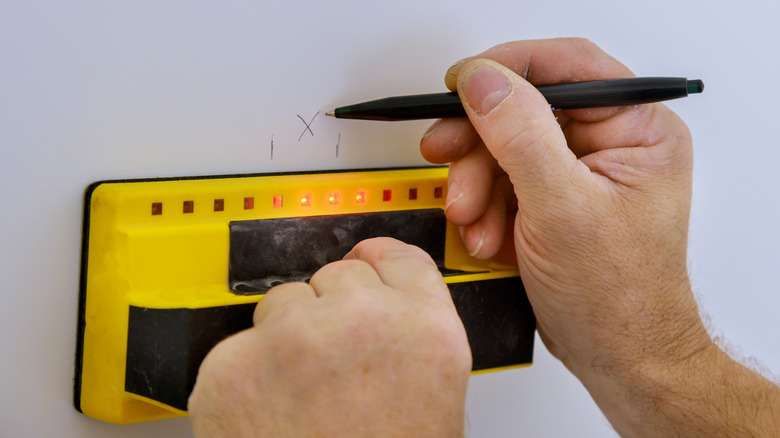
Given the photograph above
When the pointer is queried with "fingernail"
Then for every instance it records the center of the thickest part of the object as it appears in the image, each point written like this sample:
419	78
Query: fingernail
452	74
457	64
453	194
473	239
451	70
431	129
481	243
484	88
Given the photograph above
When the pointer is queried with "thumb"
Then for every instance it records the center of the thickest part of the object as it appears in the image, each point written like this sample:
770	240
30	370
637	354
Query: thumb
519	129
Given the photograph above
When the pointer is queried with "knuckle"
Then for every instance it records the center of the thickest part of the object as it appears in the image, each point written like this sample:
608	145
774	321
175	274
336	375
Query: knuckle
338	268
281	289
380	250
407	253
585	44
528	141
376	245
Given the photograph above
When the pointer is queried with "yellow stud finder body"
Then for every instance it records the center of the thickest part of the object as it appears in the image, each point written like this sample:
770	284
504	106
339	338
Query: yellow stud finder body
172	266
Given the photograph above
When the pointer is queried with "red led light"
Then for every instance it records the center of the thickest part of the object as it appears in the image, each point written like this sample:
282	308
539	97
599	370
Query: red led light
188	207
249	203
278	201
333	198
156	208
306	200
412	194
438	192
360	197
219	205
387	195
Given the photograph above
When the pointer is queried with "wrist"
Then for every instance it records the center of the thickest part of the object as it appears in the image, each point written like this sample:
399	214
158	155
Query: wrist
686	387
642	370
634	394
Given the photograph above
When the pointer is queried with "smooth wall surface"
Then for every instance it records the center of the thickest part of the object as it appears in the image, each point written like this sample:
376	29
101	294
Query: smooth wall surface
94	90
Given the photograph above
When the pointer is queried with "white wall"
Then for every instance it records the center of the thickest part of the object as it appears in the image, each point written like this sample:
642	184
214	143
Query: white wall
95	90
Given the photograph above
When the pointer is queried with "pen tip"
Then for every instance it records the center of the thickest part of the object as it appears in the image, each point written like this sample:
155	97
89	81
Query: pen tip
330	114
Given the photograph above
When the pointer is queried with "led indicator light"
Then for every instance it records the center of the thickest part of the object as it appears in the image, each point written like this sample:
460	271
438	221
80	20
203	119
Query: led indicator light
438	192
333	198
387	195
156	208
412	194
306	200
249	203
278	201
219	205
360	197
188	207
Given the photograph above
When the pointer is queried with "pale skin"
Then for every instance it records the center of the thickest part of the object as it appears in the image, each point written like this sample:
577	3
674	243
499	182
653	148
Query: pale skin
593	206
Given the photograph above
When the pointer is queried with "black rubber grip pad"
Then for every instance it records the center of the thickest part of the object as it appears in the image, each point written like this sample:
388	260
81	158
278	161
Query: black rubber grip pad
267	252
165	347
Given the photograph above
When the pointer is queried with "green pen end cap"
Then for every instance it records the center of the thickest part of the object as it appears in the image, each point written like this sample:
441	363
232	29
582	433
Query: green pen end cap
695	86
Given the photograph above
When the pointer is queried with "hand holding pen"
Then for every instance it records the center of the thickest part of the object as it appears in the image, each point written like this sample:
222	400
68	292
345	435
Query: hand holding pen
594	203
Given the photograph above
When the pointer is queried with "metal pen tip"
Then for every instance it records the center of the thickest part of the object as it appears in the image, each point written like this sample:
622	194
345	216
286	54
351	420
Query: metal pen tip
330	114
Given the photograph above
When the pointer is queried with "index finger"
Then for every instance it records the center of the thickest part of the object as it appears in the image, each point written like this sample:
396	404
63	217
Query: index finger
553	61
401	266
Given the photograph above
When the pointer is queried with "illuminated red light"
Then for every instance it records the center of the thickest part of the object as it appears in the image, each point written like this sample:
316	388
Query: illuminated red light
249	203
333	198
306	200
278	201
412	194
438	192
360	197
387	195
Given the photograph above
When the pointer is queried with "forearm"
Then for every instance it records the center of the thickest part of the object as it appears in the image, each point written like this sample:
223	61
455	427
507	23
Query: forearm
700	392
734	400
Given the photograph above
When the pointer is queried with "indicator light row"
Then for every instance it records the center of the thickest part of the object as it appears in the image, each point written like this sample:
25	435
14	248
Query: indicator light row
333	198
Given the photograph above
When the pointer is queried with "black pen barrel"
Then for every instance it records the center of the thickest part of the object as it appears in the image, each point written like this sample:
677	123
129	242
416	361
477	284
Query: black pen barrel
614	92
591	94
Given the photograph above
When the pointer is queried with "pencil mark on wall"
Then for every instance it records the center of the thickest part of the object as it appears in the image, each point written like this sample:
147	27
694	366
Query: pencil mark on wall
308	125
338	143
272	146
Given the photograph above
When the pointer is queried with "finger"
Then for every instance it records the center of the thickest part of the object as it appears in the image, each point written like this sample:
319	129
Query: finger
554	61
401	266
520	131
281	296
551	61
661	156
448	140
345	277
486	236
638	126
470	180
